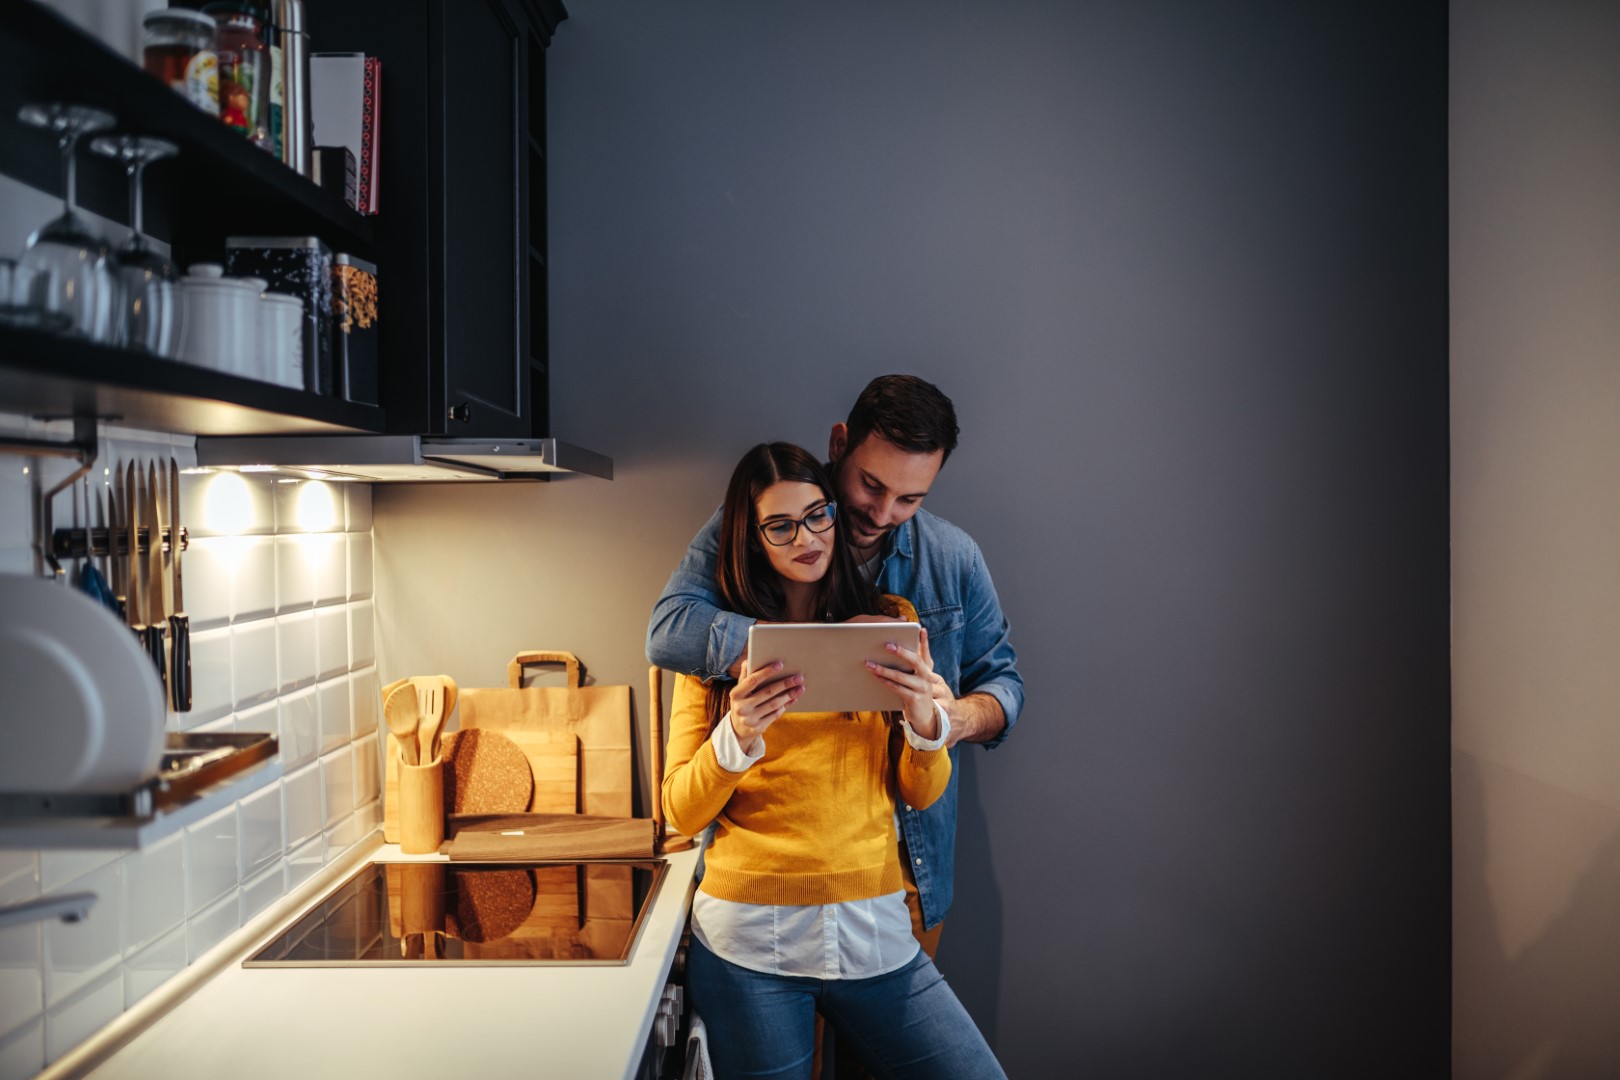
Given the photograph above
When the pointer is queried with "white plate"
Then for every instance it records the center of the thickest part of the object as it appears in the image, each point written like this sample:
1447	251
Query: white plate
83	704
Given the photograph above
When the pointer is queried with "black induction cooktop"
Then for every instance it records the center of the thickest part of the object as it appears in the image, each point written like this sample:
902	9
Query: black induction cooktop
473	914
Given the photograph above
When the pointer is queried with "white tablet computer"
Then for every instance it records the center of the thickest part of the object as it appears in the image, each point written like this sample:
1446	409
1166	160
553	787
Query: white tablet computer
832	658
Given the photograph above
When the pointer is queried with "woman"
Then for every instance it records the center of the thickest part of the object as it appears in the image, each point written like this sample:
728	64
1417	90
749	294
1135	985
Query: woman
802	905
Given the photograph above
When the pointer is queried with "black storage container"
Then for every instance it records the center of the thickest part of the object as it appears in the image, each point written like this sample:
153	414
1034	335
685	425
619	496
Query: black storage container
298	266
354	327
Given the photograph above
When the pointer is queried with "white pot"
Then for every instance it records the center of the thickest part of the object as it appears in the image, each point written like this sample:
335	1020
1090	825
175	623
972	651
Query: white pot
221	320
281	340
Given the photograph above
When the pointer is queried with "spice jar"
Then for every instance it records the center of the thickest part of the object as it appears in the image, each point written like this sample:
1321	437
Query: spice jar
244	69
354	329
179	49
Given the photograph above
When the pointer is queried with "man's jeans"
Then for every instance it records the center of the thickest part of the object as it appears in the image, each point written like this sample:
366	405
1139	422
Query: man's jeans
906	1024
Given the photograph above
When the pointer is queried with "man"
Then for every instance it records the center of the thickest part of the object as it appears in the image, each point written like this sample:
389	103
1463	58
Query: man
884	458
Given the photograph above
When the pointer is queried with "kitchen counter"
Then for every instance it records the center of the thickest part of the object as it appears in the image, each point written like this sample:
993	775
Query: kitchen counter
573	1022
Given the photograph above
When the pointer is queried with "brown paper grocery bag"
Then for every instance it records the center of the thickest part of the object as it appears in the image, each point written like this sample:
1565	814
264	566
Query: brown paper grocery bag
598	715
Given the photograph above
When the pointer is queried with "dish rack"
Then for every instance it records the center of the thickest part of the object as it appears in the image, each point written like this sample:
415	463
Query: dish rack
192	762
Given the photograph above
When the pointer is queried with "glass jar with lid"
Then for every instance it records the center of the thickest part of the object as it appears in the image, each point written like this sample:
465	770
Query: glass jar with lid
244	68
179	49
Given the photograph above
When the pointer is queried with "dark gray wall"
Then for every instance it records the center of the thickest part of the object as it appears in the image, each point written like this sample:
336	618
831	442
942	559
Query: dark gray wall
1182	265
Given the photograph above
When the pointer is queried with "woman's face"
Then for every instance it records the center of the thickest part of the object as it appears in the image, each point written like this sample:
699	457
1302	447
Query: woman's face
807	556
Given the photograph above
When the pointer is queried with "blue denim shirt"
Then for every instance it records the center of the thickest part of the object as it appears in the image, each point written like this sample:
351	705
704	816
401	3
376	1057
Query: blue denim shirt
940	570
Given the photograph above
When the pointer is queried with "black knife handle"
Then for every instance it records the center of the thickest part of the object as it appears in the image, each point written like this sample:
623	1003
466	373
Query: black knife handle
152	639
180	661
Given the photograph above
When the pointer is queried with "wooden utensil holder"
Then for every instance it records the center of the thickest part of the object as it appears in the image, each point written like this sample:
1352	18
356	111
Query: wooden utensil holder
421	807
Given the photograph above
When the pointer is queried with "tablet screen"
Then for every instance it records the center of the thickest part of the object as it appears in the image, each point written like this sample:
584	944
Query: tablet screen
832	658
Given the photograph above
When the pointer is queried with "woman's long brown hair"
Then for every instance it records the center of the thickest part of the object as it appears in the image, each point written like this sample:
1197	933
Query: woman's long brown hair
749	585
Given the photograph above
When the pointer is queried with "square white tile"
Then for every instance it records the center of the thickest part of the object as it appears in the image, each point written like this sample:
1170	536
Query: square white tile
154	965
60	866
154	894
212	926
300	729
22	981
337	777
253	577
77	954
260	829
22	1053
211	859
16	503
255	650
69	1023
226	504
367	770
295	575
301	806
266	718
309	506
360	578
337	726
365	702
304	862
328	566
362	630
211	680
331	642
358	497
263	889
19	876
295	635
207	567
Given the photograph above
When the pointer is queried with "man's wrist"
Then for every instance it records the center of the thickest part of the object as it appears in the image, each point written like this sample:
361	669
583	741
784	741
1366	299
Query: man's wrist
976	718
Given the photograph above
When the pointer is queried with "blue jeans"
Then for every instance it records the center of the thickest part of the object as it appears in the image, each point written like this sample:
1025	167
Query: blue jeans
906	1024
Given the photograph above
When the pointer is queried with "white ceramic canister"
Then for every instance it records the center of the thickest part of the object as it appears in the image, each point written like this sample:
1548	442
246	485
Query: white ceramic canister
281	340
221	320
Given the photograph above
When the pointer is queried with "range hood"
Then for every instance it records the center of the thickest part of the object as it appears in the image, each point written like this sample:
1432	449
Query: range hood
400	458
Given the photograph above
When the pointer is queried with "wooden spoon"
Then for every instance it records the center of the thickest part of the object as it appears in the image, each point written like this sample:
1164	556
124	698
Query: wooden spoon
400	711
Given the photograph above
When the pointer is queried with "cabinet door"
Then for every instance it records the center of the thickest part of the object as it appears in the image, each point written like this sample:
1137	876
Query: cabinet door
481	165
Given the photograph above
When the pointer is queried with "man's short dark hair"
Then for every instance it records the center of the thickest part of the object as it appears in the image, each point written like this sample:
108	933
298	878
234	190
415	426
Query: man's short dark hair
907	411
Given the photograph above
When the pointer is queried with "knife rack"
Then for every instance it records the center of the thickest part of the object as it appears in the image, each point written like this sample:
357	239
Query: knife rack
83	543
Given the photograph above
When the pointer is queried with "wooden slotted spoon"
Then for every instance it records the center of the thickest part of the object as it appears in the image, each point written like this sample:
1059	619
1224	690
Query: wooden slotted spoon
399	709
429	712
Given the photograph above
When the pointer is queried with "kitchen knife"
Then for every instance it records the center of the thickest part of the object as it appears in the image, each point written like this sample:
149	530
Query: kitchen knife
155	617
132	521
179	622
115	566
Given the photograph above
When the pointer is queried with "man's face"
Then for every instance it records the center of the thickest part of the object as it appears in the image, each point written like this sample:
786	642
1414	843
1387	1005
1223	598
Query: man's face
879	486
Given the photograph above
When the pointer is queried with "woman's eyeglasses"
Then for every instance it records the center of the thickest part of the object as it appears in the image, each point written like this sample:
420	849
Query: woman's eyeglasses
783	531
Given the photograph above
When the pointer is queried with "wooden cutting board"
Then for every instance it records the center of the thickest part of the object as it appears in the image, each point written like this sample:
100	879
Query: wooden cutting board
540	837
553	760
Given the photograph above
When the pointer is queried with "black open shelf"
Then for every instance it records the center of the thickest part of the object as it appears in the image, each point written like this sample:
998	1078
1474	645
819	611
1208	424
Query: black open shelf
50	377
219	185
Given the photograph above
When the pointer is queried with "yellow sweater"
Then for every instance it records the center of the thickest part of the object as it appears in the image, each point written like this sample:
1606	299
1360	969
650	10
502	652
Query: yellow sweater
812	822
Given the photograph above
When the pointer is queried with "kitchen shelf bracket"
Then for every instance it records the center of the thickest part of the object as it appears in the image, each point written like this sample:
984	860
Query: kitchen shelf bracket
83	447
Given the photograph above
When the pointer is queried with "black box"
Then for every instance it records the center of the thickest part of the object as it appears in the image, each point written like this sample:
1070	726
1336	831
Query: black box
354	327
335	171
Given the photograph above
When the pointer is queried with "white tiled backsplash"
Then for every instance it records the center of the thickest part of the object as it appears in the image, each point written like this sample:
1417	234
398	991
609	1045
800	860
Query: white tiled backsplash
278	583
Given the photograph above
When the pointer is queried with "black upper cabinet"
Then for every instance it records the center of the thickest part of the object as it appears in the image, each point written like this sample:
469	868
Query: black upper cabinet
459	236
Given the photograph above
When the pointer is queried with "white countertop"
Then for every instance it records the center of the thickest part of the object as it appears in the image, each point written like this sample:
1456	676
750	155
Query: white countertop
578	1023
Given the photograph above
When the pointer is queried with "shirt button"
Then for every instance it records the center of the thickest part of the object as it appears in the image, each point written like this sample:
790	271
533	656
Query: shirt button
908	808
919	862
